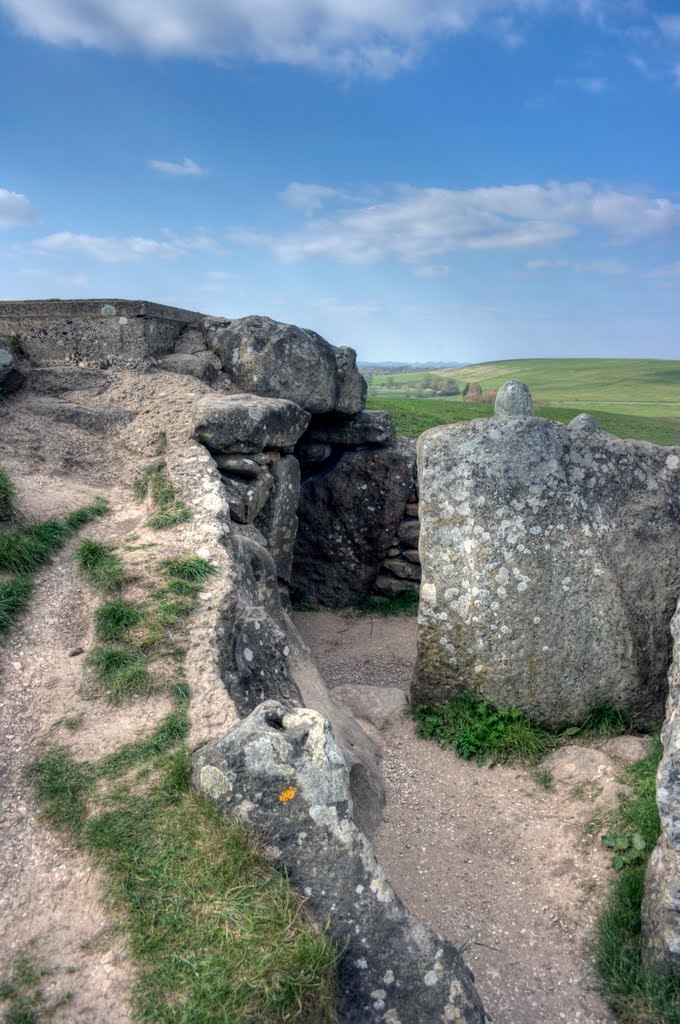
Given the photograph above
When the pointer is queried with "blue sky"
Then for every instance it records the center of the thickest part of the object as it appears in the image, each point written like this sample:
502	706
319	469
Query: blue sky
457	180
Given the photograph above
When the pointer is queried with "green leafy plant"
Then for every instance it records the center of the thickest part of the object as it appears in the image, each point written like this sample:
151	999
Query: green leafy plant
629	848
476	728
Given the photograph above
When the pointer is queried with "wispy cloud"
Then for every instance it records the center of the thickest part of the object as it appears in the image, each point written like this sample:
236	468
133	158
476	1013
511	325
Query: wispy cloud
611	268
15	210
119	249
376	37
432	270
595	85
670	26
307	197
417	225
187	168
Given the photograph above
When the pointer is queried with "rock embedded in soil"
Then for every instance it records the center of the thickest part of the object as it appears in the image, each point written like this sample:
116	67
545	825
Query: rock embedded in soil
550	568
281	772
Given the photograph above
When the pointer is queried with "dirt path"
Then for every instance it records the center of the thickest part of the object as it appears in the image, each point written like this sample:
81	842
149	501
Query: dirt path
494	861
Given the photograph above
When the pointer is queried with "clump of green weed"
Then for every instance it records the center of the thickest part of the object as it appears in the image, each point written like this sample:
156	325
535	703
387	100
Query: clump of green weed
604	720
543	777
405	603
191	568
155	483
98	561
304	606
7	511
22	990
119	673
114	619
476	728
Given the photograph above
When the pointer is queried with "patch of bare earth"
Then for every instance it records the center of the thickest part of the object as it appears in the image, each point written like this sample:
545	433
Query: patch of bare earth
498	864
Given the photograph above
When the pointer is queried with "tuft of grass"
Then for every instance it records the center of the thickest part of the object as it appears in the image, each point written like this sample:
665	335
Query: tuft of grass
7	511
120	673
304	606
22	990
155	483
604	720
114	619
191	568
405	603
475	728
98	562
14	595
62	787
73	722
543	777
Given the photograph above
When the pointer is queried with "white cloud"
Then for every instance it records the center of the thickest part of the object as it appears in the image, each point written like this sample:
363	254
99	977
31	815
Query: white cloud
591	85
671	270
113	249
611	268
432	270
640	63
418	225
368	36
307	197
670	26
15	210
676	73
188	167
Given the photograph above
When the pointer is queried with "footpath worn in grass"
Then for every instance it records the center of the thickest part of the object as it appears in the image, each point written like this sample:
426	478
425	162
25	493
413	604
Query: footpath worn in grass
25	547
215	933
414	415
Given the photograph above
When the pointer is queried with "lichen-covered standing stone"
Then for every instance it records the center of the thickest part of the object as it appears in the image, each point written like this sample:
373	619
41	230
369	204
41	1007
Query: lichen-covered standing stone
550	568
282	772
661	905
513	399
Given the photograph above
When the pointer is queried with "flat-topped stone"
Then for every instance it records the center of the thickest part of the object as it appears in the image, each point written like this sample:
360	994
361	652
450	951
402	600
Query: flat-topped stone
246	424
94	332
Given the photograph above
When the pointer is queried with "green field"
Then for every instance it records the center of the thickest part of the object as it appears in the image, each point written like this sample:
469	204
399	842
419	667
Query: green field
636	398
414	415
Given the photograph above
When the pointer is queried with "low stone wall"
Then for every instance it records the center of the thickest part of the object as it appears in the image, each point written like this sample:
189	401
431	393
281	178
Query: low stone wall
400	572
93	332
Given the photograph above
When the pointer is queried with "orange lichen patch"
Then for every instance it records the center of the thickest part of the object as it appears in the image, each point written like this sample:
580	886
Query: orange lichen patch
287	794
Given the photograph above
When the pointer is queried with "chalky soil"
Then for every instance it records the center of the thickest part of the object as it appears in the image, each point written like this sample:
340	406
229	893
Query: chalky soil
499	865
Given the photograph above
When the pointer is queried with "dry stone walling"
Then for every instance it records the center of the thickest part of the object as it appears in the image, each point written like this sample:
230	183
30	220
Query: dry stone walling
551	566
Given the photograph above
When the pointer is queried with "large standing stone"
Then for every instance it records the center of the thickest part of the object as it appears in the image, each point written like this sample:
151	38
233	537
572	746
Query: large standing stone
246	424
661	904
282	772
284	361
278	520
349	513
550	568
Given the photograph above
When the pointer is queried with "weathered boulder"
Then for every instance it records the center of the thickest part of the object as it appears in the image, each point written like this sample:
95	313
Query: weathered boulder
11	377
281	772
351	386
312	454
283	361
191	342
550	568
348	514
246	424
403	568
513	399
202	365
390	586
247	497
661	904
370	427
239	465
584	421
278	520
